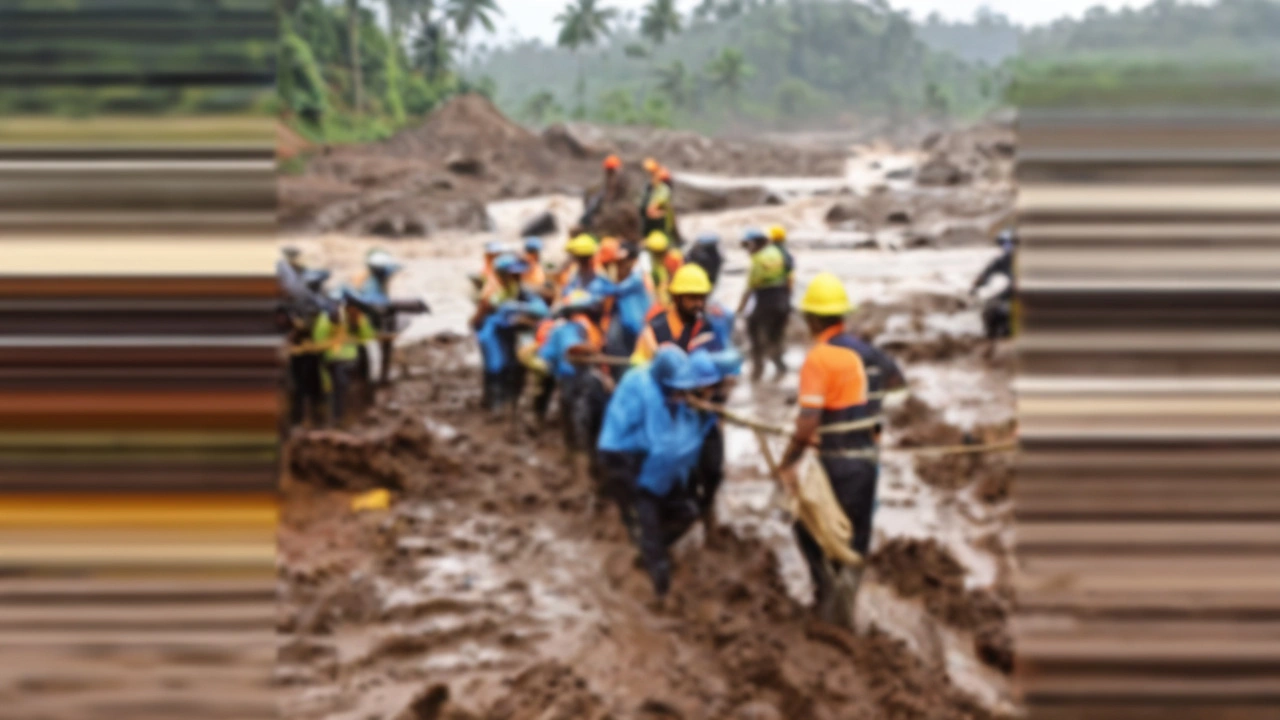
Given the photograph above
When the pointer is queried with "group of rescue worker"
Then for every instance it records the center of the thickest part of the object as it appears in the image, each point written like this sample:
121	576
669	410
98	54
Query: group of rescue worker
642	357
330	334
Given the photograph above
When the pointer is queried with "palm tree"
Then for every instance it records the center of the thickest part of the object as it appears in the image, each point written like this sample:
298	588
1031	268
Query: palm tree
583	23
728	71
467	14
673	81
661	19
353	40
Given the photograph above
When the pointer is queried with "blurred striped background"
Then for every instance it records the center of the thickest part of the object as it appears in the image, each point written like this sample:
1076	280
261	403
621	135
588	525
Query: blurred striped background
1148	494
140	368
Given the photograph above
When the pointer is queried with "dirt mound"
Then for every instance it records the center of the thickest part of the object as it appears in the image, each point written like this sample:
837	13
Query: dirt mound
469	135
360	461
682	150
923	569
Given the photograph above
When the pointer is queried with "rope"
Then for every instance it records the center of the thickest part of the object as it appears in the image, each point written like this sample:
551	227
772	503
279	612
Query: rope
762	428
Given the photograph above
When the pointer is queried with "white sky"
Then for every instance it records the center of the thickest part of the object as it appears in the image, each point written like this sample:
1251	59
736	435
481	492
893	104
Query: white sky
535	18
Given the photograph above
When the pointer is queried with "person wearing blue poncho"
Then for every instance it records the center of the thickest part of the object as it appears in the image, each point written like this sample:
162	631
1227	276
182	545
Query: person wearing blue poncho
650	444
500	318
583	391
626	299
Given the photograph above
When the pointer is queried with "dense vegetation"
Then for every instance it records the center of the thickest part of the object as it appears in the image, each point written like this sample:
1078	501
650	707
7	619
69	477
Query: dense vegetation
740	62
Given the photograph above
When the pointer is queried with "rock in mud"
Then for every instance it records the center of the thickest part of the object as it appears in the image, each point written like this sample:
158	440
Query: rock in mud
542	224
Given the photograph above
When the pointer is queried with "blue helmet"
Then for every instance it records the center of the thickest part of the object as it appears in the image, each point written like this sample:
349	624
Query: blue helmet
669	364
754	235
728	362
702	371
493	247
1007	239
708	239
533	244
509	263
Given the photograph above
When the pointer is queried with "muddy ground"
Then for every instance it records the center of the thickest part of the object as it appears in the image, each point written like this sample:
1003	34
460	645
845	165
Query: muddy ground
494	588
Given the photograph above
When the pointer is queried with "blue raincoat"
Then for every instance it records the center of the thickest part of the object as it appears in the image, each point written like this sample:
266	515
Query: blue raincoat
640	419
631	300
497	353
555	352
720	318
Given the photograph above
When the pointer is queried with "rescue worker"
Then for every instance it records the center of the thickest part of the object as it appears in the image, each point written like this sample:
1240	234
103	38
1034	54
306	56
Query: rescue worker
657	212
535	276
627	299
486	281
664	261
373	295
767	285
683	323
706	253
651	168
778	236
293	256
340	333
833	395
307	397
499	320
997	311
650	442
611	191
583	389
581	270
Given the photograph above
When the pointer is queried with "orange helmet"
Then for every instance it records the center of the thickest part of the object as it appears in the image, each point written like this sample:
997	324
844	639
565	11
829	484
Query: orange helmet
651	166
609	250
664	174
613	162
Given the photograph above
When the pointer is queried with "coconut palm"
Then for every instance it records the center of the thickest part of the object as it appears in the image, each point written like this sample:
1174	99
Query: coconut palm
729	71
465	15
661	20
674	81
583	23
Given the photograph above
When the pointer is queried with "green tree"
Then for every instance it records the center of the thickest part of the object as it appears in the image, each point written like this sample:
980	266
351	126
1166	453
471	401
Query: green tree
674	82
466	15
540	106
583	23
661	19
728	72
353	41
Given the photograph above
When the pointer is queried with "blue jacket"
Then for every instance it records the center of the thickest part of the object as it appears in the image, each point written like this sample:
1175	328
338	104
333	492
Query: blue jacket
639	419
495	335
555	351
631	299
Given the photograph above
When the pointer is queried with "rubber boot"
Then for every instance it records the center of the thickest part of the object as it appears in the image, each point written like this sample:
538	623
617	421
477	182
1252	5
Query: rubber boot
844	604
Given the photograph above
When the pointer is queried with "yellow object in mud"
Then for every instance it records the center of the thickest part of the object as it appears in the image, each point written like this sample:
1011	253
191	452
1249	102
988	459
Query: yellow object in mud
826	296
657	242
690	280
777	233
817	508
379	499
582	246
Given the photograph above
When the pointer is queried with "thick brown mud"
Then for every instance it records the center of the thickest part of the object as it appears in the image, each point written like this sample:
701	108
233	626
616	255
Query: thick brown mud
495	588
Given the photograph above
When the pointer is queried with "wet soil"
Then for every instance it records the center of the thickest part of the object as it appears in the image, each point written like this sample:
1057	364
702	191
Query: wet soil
923	569
498	577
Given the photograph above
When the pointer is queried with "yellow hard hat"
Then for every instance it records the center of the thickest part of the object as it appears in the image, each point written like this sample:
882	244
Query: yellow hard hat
826	296
691	280
582	246
777	233
657	242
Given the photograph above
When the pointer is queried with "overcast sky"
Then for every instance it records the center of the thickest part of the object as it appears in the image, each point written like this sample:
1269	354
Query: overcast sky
535	18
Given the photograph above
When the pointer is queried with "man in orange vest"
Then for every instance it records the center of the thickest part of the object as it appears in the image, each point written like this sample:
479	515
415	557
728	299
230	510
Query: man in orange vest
834	412
683	322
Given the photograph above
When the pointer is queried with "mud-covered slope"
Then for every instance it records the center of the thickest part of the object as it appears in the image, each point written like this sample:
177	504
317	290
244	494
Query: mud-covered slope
496	588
